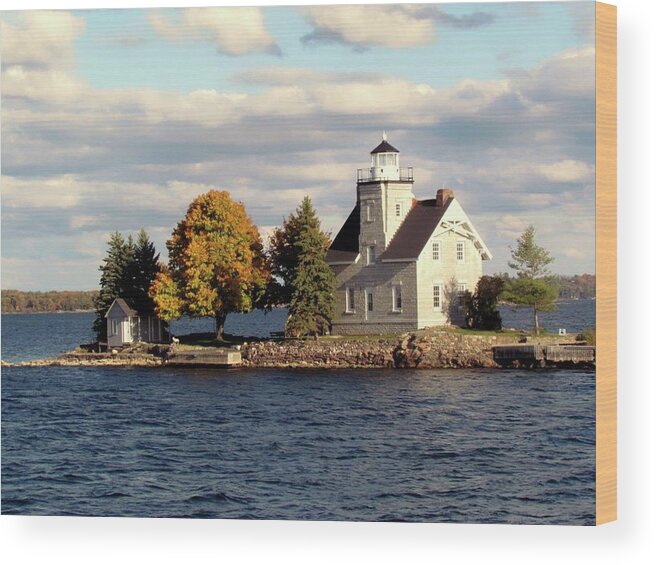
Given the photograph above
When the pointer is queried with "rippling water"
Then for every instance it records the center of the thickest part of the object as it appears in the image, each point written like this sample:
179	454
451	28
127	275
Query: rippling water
475	446
449	445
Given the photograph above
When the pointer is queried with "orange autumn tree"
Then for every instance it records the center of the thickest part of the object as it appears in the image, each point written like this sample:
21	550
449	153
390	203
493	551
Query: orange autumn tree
216	263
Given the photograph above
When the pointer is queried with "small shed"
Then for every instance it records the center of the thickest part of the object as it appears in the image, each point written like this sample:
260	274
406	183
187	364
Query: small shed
129	321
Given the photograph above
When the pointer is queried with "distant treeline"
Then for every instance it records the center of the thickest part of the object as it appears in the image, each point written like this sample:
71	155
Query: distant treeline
573	286
576	286
50	301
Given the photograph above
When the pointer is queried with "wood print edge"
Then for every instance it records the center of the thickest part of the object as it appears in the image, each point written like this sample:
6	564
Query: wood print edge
606	261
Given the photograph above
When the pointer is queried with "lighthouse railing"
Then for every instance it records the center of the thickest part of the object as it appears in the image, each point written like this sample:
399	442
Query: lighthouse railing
373	174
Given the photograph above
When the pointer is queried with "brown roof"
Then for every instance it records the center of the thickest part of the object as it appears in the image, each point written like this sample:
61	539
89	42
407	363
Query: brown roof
414	232
345	246
407	243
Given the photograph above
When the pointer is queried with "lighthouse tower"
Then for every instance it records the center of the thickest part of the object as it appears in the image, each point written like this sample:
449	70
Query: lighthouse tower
384	198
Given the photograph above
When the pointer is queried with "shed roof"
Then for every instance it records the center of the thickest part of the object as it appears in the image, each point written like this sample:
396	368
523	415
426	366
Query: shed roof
134	306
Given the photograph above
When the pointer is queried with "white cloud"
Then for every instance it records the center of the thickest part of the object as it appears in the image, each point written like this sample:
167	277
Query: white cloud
567	170
39	38
234	31
363	25
87	161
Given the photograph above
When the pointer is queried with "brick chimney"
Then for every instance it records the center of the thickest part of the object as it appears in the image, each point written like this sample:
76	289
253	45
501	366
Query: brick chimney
443	196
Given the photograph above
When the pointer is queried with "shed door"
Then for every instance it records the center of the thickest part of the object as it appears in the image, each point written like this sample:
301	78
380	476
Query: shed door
127	331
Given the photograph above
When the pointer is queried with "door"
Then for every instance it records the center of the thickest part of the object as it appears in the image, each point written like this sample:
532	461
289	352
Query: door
127	331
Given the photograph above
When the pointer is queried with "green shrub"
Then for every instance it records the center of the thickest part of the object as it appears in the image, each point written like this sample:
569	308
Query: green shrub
589	336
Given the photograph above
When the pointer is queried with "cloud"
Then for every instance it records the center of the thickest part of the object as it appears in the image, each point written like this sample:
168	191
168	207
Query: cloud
394	26
234	31
567	170
39	39
79	162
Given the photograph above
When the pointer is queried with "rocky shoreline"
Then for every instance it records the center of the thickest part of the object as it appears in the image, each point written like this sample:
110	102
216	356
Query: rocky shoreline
424	349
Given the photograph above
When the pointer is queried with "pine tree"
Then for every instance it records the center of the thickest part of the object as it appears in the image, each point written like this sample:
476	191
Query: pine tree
141	270
531	288
283	250
312	302
112	280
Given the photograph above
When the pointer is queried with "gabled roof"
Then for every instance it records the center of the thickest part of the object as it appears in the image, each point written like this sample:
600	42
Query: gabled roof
415	231
133	306
427	219
345	246
385	147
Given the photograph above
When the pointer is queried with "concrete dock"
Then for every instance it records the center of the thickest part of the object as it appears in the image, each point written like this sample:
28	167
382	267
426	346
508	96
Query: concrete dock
540	355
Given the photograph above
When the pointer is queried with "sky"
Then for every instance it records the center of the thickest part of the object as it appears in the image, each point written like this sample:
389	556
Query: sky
118	119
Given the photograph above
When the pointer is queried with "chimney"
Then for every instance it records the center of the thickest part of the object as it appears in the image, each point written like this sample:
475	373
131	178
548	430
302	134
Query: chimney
443	196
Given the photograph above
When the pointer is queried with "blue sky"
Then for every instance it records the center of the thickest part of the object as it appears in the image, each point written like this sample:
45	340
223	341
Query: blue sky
117	119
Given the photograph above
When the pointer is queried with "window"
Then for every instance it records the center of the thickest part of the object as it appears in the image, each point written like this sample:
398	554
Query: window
398	209
436	251
367	212
350	299
437	297
115	324
462	292
371	254
370	301
397	298
460	251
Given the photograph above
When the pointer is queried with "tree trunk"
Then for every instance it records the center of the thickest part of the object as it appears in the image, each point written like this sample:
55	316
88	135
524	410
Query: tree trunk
536	321
220	318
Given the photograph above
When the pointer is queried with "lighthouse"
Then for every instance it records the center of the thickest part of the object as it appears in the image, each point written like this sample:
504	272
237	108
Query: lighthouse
384	196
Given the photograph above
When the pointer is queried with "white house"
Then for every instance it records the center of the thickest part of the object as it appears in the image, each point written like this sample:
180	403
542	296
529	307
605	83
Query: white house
129	321
401	263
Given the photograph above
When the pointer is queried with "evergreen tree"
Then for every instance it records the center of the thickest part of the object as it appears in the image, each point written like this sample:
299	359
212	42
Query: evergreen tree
529	259
128	271
531	288
312	301
141	270
112	280
283	250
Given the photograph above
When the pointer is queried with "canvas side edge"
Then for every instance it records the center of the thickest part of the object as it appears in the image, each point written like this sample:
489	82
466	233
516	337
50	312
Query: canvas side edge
606	261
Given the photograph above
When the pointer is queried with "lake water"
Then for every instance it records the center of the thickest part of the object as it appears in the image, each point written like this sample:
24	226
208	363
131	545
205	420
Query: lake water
449	446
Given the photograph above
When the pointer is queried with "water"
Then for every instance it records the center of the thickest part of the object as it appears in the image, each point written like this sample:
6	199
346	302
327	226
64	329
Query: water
448	446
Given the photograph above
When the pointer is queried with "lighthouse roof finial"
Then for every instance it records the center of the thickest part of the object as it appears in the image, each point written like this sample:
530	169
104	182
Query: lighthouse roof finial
384	135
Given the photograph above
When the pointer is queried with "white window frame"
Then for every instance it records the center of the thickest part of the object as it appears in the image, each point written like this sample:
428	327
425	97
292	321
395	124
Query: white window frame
397	293
438	307
350	300
436	249
460	242
114	326
370	255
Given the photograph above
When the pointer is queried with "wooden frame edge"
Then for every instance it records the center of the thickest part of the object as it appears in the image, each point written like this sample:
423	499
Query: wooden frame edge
606	261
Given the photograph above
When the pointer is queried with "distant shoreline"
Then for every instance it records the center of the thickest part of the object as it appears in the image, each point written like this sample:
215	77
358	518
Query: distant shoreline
48	312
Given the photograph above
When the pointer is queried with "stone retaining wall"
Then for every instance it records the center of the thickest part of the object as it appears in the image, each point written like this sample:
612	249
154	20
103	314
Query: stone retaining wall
423	350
